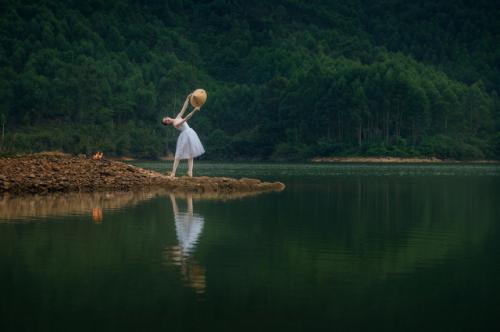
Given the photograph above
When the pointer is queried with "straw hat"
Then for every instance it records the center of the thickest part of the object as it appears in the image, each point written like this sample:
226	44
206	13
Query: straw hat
198	98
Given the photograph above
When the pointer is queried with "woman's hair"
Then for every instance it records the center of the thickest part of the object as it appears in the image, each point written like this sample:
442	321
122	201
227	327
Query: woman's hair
167	121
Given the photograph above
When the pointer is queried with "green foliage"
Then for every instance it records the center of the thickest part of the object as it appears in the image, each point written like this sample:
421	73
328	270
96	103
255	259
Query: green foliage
289	152
287	80
448	147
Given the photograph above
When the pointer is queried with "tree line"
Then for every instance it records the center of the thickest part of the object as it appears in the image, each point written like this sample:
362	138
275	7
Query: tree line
286	80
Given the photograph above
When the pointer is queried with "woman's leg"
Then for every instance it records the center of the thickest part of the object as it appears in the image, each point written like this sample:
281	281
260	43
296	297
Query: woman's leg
190	167
174	168
189	200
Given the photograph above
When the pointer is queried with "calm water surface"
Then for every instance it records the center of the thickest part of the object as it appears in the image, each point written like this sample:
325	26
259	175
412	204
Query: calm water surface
343	248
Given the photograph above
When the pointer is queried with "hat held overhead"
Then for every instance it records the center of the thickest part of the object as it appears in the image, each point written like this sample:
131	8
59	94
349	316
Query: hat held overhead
198	98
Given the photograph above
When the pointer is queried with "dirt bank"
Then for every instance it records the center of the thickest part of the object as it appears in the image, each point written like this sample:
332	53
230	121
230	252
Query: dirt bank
57	172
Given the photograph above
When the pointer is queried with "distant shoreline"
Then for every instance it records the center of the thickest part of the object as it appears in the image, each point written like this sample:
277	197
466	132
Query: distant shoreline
397	160
352	159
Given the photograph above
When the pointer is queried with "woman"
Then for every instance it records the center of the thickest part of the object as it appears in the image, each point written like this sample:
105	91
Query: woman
188	144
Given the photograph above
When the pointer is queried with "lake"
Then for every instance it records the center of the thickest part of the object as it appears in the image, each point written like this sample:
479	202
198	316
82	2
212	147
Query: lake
343	248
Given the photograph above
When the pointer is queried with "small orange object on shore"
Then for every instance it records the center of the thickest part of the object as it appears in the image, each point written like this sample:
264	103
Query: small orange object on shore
97	156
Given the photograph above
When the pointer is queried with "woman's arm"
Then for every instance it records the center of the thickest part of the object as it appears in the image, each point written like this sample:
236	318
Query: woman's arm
184	107
187	117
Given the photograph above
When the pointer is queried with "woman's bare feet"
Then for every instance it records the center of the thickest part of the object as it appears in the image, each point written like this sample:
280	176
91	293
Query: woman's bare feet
190	174
171	175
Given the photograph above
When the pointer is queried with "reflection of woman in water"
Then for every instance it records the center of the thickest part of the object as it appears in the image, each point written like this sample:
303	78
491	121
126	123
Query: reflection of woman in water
188	226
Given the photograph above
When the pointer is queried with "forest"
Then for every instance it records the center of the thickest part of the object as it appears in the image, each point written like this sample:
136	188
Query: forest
286	79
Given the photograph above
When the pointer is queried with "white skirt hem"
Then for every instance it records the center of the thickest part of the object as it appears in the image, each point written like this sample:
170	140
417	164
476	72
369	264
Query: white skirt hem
188	145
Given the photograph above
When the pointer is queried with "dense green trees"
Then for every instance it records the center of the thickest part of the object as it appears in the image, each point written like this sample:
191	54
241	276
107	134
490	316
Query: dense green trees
286	80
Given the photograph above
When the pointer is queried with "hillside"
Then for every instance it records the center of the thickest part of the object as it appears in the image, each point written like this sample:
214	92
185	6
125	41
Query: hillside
286	80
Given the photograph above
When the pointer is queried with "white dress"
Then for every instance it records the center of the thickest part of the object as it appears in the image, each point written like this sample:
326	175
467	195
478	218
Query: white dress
188	143
188	228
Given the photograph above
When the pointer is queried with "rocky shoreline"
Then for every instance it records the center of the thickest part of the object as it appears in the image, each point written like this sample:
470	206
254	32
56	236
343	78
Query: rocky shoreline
57	172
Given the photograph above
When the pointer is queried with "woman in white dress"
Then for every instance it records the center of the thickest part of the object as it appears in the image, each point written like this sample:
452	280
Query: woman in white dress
188	144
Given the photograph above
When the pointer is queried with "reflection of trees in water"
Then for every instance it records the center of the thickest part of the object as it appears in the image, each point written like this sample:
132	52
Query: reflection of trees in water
189	227
382	227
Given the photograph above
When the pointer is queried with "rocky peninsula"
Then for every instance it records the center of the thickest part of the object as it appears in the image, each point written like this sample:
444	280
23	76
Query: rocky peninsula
57	172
